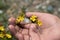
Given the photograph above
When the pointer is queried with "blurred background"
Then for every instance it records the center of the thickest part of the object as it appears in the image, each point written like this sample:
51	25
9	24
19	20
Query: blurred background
12	7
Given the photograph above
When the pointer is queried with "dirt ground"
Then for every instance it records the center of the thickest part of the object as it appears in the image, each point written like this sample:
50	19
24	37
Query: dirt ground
50	6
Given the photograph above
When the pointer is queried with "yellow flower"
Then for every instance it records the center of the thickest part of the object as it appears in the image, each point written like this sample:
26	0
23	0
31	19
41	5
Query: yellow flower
19	19
2	28
2	35
39	22
8	36
33	18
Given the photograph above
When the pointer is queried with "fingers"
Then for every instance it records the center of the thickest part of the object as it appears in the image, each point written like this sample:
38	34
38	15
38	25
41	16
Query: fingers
31	31
16	31
12	20
26	37
33	27
28	26
12	29
25	33
17	28
33	35
19	36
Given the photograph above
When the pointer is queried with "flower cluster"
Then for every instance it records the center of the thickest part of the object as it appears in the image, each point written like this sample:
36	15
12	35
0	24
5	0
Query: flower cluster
2	28
19	19
34	19
39	22
3	33
23	18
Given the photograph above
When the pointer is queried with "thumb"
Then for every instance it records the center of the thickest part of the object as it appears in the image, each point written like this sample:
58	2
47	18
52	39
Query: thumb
29	14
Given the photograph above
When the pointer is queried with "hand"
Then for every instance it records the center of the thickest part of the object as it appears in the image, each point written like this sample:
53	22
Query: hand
50	30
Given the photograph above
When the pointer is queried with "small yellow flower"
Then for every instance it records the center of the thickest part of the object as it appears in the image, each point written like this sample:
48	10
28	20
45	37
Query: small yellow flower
2	28
2	35
33	18
19	19
39	22
8	36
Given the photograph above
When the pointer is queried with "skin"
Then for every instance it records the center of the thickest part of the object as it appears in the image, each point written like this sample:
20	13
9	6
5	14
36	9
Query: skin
50	30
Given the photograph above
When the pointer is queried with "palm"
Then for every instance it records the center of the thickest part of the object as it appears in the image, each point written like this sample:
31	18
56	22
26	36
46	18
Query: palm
48	31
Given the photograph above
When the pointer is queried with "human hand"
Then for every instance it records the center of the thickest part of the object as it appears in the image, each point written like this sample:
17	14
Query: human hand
48	31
